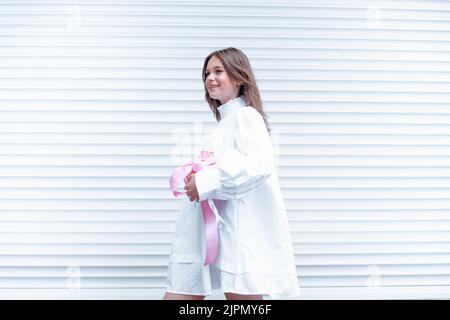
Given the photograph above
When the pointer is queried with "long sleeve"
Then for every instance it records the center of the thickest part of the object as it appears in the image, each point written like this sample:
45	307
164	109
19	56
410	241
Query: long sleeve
241	170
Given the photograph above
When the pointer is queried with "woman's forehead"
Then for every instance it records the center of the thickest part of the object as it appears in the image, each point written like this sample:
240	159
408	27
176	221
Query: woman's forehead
214	63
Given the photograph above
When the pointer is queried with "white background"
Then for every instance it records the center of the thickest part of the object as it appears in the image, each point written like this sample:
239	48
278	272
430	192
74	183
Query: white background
98	99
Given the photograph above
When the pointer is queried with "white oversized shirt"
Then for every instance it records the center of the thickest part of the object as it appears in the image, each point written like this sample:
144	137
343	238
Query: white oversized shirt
245	190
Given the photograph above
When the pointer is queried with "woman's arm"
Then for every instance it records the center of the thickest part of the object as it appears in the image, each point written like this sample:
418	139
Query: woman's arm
242	170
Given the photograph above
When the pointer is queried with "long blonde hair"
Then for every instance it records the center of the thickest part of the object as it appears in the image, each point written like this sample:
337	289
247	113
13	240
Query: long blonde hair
239	69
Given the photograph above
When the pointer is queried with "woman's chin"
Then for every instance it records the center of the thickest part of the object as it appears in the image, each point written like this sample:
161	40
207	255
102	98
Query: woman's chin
214	96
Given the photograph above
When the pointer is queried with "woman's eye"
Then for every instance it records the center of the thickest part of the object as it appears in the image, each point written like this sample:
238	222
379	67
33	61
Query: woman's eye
207	74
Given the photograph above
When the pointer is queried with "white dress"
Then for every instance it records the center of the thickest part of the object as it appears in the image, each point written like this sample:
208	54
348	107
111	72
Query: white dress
255	249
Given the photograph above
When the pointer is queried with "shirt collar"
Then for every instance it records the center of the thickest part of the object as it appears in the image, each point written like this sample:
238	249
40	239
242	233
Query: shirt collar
231	106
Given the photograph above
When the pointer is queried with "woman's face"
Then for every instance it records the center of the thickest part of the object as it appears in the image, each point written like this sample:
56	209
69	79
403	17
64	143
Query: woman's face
218	83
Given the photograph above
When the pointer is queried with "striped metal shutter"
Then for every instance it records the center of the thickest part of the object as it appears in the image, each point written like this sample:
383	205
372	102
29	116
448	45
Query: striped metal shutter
98	98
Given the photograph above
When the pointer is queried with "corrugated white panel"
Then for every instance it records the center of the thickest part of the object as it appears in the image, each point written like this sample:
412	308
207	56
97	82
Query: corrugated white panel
96	96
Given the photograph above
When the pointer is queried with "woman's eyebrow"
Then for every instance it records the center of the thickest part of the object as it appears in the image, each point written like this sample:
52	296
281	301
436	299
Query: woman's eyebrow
214	67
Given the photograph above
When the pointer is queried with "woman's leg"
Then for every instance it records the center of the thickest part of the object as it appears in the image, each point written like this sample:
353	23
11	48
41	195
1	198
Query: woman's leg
178	296
235	296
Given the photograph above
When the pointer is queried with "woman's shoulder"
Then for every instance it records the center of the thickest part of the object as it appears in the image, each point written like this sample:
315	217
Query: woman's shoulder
249	116
249	112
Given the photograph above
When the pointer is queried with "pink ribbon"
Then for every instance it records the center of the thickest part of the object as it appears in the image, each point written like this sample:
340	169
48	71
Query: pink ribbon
210	214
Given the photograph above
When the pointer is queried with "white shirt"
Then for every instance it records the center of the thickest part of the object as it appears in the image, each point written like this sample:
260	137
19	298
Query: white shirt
246	193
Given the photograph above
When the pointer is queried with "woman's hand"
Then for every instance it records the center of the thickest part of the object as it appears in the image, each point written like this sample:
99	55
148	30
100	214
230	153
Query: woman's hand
191	188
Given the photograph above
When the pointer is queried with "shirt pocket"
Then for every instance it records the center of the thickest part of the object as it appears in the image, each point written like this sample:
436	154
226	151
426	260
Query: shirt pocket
187	243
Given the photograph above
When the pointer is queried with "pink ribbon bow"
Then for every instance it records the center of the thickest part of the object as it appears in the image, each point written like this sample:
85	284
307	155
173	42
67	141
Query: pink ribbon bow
210	214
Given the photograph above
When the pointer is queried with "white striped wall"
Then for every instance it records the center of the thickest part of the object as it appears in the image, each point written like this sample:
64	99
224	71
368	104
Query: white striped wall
94	96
